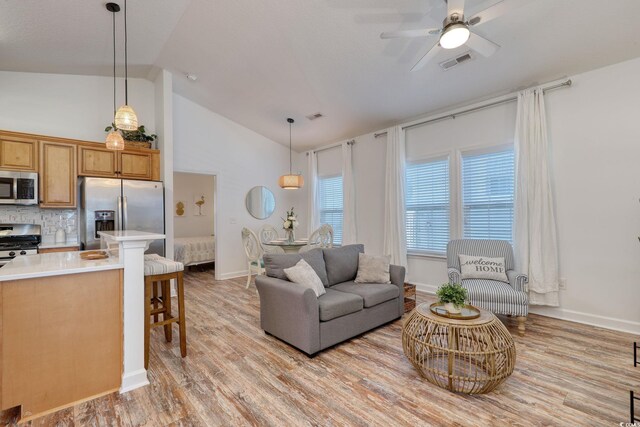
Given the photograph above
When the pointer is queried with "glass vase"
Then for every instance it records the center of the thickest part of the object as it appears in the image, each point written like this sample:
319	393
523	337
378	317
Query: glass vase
291	237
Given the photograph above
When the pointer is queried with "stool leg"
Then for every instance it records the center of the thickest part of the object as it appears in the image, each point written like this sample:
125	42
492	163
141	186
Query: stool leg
147	319
166	300
155	300
181	316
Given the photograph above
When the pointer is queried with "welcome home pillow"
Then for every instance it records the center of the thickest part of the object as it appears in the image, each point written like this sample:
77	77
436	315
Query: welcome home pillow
373	269
303	274
482	267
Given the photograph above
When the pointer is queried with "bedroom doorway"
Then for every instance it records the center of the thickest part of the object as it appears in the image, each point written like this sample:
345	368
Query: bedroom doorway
194	221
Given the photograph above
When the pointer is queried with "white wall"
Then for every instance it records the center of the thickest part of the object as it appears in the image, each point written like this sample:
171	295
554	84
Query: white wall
68	106
595	154
186	186
206	142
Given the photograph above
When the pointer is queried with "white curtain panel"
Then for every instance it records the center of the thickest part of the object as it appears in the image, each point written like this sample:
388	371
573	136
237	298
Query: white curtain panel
395	240
349	234
313	205
535	224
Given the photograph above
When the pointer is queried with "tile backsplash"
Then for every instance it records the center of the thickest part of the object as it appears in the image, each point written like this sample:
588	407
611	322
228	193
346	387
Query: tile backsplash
49	219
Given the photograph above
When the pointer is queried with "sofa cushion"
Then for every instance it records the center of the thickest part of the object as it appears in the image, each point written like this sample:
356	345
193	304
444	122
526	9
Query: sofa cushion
373	269
342	263
371	293
275	264
335	304
304	275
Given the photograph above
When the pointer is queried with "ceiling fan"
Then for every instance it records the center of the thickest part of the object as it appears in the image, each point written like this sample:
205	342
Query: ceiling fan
455	30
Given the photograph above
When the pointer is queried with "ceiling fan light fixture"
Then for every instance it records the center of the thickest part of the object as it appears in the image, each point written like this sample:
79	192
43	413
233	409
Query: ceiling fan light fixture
455	35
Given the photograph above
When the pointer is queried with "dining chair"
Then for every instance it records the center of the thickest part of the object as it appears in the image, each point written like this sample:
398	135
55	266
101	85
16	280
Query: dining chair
320	238
268	234
253	250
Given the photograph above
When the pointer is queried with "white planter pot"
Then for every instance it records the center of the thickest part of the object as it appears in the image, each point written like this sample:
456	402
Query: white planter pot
451	308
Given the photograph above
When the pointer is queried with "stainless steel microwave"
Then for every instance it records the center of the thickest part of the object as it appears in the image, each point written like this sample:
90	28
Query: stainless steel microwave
18	188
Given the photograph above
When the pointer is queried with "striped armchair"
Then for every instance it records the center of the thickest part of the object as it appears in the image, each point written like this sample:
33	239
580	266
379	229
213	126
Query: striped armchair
503	298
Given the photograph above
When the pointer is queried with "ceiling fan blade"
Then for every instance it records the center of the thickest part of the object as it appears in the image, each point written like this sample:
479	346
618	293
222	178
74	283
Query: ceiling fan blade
410	33
481	45
455	6
427	57
492	12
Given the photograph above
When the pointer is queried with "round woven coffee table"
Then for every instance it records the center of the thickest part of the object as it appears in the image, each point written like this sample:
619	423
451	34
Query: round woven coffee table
464	356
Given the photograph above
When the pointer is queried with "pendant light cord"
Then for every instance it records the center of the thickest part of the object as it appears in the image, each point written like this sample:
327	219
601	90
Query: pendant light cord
290	164
126	65
114	62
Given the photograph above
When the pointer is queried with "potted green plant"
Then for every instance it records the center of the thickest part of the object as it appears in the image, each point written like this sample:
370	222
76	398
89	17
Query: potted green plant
452	296
136	138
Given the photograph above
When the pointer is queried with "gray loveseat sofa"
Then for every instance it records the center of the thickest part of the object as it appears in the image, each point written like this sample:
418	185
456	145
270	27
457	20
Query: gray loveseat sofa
295	315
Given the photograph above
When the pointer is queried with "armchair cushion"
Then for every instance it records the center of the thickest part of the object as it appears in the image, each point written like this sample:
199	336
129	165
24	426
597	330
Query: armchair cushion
371	293
496	296
482	267
276	263
335	304
342	263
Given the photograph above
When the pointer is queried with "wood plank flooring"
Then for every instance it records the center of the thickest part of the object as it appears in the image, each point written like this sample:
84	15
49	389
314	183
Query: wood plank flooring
234	374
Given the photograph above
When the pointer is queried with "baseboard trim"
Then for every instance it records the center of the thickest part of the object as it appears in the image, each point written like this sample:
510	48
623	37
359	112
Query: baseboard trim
134	380
233	275
565	314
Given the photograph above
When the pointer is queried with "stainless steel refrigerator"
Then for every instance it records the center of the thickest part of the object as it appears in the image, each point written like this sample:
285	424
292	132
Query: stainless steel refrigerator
120	204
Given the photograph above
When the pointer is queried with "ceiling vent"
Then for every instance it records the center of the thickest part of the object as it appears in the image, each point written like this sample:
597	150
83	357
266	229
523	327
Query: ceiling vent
314	116
450	63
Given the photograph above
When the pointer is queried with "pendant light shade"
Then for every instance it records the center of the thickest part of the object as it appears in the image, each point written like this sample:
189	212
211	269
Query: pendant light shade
290	181
115	140
126	118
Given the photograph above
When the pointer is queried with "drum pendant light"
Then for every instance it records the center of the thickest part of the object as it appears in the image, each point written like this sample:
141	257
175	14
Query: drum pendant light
126	118
114	138
291	181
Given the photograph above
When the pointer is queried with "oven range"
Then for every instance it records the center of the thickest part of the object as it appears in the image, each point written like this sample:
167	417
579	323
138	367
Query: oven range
18	240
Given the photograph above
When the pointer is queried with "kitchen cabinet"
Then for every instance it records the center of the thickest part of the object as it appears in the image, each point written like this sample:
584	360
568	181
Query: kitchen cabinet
135	165
100	162
58	175
18	154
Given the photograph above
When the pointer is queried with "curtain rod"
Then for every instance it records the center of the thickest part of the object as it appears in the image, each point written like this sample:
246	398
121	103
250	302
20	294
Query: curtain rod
328	147
474	109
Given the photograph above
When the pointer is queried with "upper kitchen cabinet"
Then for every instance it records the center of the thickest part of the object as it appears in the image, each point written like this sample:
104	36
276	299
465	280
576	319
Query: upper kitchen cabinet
135	165
100	162
58	175
18	154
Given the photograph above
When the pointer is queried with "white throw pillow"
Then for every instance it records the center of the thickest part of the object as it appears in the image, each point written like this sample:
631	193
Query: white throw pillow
303	274
373	269
482	267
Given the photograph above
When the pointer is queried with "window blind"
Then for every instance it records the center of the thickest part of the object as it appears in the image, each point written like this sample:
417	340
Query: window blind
427	206
330	195
487	195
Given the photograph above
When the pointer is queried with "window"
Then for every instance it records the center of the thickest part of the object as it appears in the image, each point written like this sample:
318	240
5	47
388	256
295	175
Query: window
427	206
487	194
330	195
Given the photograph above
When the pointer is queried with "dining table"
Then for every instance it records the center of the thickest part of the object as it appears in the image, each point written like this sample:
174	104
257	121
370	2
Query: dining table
287	246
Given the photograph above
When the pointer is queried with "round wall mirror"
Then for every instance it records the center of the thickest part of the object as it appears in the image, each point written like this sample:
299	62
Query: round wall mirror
260	202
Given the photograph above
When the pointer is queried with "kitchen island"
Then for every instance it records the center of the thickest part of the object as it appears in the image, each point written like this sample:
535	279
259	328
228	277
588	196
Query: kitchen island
61	331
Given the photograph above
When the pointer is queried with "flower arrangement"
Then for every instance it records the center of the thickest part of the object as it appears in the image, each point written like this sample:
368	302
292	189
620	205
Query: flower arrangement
452	296
289	224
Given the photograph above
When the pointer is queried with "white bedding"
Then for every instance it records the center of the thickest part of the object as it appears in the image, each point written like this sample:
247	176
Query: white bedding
194	250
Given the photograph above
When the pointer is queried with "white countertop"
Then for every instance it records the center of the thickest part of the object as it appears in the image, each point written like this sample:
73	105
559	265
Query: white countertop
53	245
130	235
54	264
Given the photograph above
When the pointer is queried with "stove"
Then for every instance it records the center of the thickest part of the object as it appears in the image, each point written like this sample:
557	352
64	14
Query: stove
18	240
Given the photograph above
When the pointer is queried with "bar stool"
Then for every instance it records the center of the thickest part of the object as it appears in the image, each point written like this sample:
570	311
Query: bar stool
160	271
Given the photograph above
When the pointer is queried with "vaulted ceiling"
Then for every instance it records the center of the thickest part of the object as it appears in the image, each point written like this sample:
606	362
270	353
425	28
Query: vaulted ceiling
259	62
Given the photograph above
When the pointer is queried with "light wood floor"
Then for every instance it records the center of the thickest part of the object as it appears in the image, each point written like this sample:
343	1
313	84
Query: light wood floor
566	374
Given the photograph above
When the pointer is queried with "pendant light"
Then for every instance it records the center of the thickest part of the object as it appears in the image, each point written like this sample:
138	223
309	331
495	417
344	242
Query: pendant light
291	181
126	118
114	138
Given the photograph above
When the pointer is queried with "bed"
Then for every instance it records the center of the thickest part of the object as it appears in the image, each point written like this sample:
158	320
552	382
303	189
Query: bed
194	250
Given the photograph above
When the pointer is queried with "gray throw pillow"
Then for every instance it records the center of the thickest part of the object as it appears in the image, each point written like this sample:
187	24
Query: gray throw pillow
342	263
482	267
274	264
373	269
